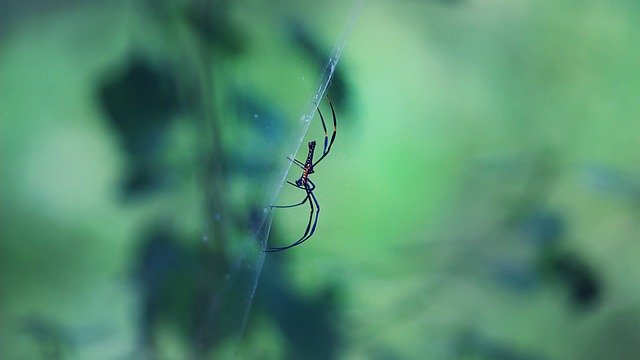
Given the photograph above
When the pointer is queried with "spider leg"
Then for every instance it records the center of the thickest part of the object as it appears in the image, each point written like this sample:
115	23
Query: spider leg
312	184
290	206
294	185
315	222
298	204
302	187
297	162
327	148
306	231
324	127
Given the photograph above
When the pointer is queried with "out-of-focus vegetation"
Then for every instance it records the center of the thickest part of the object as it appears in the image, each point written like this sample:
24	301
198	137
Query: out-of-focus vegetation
480	201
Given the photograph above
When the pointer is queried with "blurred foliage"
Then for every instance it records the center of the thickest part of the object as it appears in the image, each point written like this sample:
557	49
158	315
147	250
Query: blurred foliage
480	201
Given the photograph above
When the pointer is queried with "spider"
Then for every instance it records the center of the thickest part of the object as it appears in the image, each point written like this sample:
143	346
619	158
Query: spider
307	185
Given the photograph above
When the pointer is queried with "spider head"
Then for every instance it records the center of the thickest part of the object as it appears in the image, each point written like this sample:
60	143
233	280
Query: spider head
312	145
299	182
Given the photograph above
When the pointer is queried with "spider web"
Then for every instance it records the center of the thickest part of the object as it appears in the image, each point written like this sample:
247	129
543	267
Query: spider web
237	294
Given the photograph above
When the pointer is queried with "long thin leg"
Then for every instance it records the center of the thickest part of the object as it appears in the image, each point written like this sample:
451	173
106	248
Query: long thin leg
313	185
297	162
301	202
333	135
302	187
324	127
315	222
306	231
290	206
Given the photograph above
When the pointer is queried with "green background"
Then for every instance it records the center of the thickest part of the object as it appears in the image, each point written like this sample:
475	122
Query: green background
480	201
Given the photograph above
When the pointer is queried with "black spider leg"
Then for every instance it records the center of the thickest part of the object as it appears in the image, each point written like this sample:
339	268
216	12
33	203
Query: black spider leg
306	231
297	204
327	143
297	162
310	229
301	165
315	222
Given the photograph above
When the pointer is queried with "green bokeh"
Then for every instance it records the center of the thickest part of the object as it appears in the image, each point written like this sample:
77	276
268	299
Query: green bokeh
466	128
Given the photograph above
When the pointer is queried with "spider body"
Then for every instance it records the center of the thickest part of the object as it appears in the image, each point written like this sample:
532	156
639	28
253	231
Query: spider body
307	168
304	183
